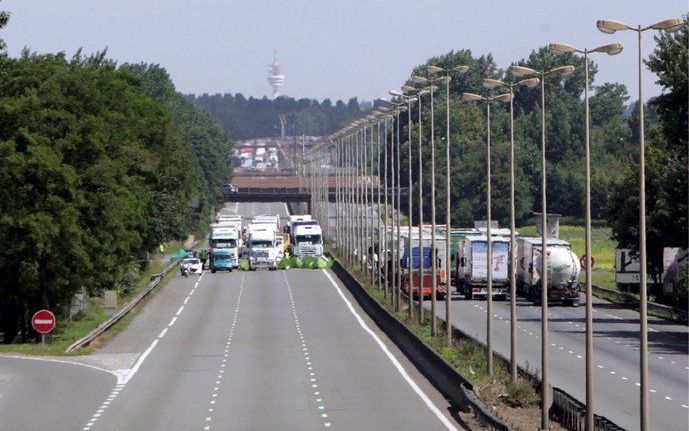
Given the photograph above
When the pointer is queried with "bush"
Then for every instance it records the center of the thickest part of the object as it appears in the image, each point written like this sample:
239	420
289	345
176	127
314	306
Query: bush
681	293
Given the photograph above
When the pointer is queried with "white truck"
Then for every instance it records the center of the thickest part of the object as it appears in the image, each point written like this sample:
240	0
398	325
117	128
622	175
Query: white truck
262	250
307	240
225	241
562	265
472	267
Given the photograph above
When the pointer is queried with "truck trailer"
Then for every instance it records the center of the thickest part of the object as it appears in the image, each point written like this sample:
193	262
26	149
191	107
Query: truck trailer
472	267
562	265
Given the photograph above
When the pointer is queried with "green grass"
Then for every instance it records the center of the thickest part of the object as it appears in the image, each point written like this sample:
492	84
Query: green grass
94	314
603	250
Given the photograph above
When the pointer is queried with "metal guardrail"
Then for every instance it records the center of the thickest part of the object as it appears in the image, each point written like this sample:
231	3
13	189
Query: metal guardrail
444	377
628	299
85	341
571	414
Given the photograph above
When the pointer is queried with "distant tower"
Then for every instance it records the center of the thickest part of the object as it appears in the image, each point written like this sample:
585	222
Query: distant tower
275	77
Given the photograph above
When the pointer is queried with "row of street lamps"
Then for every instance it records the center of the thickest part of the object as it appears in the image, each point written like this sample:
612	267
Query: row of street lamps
352	152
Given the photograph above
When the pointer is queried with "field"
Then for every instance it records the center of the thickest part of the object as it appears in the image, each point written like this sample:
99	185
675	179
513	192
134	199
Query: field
603	250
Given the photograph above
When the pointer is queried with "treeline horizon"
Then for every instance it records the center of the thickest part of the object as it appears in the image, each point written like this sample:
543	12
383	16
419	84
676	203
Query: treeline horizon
253	117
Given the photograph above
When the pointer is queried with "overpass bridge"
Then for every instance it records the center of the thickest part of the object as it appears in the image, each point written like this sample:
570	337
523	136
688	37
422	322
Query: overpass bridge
301	195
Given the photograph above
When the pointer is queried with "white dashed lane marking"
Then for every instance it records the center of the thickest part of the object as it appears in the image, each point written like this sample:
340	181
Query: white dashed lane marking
122	382
307	358
223	361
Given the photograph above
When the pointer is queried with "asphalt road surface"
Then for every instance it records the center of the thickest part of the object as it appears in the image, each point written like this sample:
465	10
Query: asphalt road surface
616	356
264	350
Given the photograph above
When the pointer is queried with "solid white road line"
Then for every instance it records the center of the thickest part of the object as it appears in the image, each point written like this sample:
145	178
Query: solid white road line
392	358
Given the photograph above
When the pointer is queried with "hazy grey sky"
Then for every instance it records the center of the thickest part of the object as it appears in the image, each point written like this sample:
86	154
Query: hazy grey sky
327	48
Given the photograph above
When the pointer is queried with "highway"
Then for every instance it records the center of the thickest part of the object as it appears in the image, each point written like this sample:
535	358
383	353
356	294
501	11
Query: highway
616	355
259	350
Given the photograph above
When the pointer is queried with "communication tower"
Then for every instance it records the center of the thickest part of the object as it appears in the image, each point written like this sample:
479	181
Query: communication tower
275	77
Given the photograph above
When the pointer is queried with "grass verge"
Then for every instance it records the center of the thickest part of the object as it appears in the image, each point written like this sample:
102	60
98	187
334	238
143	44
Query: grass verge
94	314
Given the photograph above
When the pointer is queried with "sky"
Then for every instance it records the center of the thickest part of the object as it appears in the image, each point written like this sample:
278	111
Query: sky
327	48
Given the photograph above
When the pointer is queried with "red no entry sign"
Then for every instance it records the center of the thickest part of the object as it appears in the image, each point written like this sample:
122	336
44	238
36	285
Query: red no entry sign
583	260
43	321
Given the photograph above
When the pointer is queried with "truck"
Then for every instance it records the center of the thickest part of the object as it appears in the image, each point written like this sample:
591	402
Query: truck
221	259
225	241
262	250
410	264
472	267
307	240
562	265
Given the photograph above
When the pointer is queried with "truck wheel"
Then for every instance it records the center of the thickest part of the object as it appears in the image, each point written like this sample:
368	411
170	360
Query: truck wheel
212	270
467	293
229	270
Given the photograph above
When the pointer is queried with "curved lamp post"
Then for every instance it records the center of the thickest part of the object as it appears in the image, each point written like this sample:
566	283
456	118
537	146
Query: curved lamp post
495	83
448	270
505	97
610	49
610	27
520	71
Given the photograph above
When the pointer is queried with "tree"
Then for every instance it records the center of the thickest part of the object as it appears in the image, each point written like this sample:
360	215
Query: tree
667	162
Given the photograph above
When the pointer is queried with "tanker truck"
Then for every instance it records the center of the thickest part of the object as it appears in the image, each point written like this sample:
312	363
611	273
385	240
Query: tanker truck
562	266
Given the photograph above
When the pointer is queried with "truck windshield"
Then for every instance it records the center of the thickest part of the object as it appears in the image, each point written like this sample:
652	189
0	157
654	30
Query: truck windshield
308	239
261	244
222	256
224	243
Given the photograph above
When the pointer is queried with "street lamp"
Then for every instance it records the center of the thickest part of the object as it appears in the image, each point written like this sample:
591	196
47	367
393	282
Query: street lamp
610	27
410	286
494	83
420	92
520	71
505	97
434	268
610	49
461	69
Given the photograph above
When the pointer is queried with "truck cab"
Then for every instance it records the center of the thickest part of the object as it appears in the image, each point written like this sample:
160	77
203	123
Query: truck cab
307	240
221	260
226	238
262	248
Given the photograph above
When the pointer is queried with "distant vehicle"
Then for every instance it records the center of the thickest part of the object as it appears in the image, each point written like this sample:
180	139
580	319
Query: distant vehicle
562	265
411	263
307	240
262	250
221	260
193	265
225	238
229	188
472	271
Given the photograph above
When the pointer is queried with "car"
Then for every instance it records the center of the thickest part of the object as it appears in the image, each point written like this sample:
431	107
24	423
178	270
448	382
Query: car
230	188
193	265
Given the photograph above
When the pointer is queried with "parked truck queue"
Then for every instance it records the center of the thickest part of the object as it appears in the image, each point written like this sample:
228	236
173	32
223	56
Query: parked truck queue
469	264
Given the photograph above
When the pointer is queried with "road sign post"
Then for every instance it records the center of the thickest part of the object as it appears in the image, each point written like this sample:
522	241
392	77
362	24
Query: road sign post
43	322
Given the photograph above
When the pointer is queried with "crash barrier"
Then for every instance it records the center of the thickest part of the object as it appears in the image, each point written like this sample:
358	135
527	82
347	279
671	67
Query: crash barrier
571	414
155	281
631	301
443	376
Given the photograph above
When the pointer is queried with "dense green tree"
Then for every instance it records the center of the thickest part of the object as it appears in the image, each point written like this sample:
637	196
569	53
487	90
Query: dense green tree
98	164
667	161
253	118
